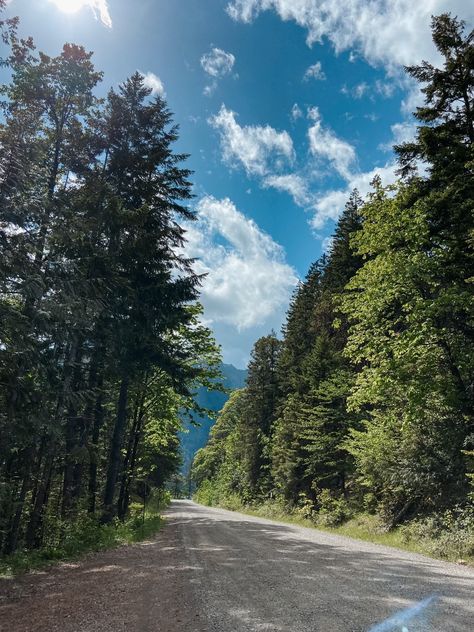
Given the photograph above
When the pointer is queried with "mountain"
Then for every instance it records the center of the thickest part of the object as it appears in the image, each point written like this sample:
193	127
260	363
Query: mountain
195	437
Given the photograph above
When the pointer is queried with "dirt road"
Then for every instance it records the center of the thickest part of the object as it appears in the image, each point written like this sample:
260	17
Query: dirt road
218	571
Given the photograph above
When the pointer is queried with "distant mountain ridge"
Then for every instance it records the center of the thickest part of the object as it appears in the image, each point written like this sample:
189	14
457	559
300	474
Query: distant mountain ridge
195	437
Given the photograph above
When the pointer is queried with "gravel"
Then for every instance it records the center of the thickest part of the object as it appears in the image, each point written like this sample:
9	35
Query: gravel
211	570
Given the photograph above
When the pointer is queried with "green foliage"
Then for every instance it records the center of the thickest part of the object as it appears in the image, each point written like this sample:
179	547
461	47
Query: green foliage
102	344
447	535
69	541
333	510
373	407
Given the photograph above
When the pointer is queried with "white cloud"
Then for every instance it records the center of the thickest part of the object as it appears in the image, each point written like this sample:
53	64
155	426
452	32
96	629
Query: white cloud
413	98
315	72
248	280
293	184
401	133
391	33
327	244
100	8
325	145
357	91
360	89
153	82
217	63
385	88
330	204
313	113
372	117
260	150
210	89
296	112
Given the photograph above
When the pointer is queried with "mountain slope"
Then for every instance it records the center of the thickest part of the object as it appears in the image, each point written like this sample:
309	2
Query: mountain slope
195	437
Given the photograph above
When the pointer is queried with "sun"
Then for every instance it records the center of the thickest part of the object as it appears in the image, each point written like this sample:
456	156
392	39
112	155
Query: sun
70	6
99	8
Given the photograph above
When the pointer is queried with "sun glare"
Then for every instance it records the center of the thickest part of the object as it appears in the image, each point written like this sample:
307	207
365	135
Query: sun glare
99	8
70	6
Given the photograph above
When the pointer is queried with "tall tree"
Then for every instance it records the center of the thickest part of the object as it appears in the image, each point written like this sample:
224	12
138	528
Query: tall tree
410	306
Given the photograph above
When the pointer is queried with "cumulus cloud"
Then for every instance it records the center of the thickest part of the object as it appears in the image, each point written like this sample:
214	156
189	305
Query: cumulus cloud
385	88
401	133
153	82
315	72
357	91
413	97
248	281
217	63
100	9
391	33
259	149
327	244
331	203
293	184
325	145
210	89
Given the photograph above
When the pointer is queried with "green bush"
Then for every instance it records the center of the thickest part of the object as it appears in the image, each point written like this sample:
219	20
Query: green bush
65	541
333	510
449	534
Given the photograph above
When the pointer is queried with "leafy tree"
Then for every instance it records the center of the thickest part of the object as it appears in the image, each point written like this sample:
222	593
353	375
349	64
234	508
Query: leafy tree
410	305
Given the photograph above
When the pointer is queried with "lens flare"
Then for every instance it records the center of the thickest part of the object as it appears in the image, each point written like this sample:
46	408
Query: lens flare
399	621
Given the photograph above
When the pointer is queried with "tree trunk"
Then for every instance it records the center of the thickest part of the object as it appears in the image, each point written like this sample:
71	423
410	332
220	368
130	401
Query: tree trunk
33	532
12	538
114	459
129	464
71	375
94	448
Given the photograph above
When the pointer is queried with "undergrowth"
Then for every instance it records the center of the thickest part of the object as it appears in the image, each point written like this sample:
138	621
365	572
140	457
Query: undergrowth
66	541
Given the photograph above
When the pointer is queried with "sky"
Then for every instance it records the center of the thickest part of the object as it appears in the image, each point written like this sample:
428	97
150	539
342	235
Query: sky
284	107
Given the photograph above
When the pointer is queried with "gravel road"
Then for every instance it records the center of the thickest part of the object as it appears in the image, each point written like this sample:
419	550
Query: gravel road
211	570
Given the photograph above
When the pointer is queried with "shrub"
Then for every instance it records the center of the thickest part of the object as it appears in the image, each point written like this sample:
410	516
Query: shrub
449	534
334	510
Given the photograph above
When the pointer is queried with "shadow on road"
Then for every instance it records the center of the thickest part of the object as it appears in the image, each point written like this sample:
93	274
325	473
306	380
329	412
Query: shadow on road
316	581
217	571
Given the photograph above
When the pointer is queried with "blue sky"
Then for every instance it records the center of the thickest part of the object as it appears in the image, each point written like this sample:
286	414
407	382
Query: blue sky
284	107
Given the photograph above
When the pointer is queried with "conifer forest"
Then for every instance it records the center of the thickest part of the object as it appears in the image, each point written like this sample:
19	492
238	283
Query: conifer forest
363	405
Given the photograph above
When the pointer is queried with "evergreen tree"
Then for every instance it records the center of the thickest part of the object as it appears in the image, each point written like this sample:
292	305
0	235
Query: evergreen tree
101	343
261	399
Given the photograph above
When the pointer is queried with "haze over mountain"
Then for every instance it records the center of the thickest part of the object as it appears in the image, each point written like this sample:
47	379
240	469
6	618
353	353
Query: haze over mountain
195	437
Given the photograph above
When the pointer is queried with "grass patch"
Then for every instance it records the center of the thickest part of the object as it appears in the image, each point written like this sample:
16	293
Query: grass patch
71	541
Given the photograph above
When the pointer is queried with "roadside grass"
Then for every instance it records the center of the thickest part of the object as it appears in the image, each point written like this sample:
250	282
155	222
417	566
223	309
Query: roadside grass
72	541
430	536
